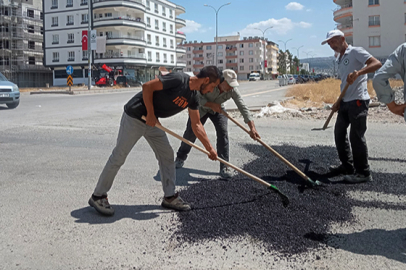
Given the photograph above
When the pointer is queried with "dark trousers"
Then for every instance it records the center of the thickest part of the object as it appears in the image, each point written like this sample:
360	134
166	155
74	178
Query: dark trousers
220	124
352	113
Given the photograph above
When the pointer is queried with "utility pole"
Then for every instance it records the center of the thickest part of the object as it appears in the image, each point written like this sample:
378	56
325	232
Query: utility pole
89	50
217	11
263	37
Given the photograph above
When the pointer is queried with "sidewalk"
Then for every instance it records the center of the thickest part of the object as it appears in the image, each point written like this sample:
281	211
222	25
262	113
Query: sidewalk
79	91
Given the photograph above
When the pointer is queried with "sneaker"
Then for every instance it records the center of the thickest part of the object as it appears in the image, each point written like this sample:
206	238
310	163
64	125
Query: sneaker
179	163
102	206
226	173
338	170
176	204
357	178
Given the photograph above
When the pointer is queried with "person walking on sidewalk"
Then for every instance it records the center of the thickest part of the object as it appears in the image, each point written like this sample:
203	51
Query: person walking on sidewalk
162	97
211	105
354	63
394	65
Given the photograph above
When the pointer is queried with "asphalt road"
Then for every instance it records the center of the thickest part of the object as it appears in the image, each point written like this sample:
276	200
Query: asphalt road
53	148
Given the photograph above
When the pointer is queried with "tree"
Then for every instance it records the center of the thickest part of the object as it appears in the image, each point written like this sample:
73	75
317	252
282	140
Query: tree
282	62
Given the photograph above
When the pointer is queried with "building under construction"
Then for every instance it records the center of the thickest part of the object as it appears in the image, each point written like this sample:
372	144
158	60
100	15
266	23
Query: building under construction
21	43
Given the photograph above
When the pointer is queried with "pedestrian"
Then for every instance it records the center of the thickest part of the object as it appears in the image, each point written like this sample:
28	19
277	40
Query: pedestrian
160	98
210	107
394	65
354	63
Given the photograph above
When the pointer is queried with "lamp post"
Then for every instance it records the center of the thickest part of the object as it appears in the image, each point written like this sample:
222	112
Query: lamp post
263	37
89	50
216	11
285	51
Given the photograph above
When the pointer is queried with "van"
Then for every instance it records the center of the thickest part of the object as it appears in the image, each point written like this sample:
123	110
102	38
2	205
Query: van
254	77
283	79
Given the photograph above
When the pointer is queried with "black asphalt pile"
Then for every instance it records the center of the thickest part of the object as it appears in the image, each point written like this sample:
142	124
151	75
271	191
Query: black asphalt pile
242	207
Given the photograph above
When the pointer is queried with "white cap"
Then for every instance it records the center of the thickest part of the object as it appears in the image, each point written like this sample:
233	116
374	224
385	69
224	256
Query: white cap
231	77
331	34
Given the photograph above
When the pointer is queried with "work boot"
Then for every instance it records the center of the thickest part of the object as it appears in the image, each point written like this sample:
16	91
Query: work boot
179	163
226	173
101	205
357	178
338	170
176	203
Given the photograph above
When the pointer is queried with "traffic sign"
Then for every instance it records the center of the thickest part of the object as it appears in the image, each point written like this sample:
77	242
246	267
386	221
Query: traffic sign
69	70
69	81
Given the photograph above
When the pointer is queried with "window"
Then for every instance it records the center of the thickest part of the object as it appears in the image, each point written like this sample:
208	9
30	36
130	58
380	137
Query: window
172	59
54	21
189	62
149	39
165	60
208	62
251	60
69	20
164	42
30	28
83	2
54	4
156	25
171	28
241	52
84	55
251	67
250	45
157	41
85	18
147	4
189	48
55	39
109	34
157	57
30	13
148	22
220	61
374	21
241	67
188	56
242	60
31	45
164	26
171	43
163	11
69	3
55	57
31	60
375	41
156	8
220	54
251	52
170	13
219	47
71	56
241	45
106	15
71	38
149	56
373	2
208	47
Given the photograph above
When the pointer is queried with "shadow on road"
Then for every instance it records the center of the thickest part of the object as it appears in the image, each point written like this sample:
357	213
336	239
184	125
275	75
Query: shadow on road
137	212
389	244
183	176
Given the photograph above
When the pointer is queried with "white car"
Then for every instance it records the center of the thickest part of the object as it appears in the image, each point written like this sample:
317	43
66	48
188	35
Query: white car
291	79
9	93
254	77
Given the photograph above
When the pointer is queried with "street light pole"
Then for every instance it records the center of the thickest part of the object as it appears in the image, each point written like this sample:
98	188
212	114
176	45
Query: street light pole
89	51
263	38
216	11
286	68
298	52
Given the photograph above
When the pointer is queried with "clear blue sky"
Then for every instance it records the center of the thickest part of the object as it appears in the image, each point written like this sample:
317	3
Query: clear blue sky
306	22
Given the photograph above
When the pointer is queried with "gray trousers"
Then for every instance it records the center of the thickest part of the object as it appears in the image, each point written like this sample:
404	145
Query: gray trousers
131	130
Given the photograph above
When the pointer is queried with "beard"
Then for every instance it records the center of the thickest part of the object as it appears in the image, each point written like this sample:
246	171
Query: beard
202	87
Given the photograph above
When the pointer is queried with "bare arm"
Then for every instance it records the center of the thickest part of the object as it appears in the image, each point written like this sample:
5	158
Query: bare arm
148	90
253	131
200	133
372	65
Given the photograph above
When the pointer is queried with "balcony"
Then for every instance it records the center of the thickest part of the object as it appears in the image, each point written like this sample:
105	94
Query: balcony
120	21
198	58
179	10
181	63
118	39
198	51
134	4
119	57
231	56
231	48
342	12
180	22
180	36
231	64
346	29
198	65
180	49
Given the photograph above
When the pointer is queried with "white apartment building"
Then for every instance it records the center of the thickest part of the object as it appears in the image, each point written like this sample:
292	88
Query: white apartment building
243	56
376	25
141	36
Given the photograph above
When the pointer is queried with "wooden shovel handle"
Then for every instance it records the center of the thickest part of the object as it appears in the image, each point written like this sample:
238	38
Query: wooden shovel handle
338	101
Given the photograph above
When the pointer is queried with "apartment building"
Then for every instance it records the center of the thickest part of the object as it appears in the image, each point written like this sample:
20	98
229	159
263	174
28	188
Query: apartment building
244	56
376	25
141	36
21	37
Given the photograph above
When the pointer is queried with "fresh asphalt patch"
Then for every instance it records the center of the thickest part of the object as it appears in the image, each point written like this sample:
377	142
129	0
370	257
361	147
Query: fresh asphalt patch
241	208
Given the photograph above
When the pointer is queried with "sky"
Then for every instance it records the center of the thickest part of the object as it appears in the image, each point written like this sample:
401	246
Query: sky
306	22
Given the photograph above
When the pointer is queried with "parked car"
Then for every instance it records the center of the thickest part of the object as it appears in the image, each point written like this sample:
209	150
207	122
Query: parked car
283	79
291	79
254	77
128	81
9	93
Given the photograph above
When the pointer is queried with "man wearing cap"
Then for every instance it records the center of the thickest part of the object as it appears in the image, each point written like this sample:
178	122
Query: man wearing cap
211	105
354	63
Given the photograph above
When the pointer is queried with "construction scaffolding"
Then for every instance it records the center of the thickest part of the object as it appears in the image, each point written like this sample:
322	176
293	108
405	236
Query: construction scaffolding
21	43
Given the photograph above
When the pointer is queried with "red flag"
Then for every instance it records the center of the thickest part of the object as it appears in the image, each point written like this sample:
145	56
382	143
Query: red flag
297	68
266	63
84	40
313	70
